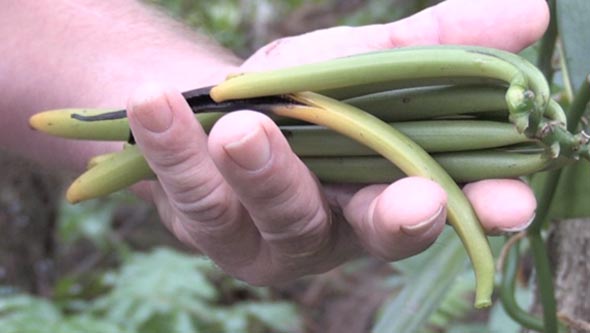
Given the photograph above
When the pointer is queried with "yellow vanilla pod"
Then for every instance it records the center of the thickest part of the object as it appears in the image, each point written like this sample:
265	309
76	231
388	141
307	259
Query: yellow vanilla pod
89	124
96	124
117	171
104	158
413	161
99	159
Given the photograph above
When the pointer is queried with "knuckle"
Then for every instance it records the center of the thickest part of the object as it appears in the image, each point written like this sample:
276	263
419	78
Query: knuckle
183	234
307	233
174	156
203	203
187	178
279	188
314	229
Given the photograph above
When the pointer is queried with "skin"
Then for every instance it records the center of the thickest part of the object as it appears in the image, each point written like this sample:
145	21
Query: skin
240	195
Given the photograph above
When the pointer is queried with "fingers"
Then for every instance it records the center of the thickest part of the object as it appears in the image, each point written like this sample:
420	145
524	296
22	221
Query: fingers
502	204
175	147
241	196
195	201
398	220
275	187
404	218
491	23
503	24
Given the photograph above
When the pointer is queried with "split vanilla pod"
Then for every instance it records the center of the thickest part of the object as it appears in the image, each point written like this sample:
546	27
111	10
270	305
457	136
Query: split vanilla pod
448	113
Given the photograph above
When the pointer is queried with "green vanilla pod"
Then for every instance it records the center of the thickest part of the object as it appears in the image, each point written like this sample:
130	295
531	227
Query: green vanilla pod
397	65
430	102
391	106
413	161
432	135
367	129
463	167
427	82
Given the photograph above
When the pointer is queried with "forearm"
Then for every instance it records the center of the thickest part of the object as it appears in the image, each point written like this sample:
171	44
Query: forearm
62	53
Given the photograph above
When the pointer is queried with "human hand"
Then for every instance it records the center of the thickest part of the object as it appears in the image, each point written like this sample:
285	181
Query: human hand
244	199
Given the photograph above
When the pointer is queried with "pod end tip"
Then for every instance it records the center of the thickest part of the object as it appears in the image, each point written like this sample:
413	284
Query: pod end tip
74	194
482	303
38	122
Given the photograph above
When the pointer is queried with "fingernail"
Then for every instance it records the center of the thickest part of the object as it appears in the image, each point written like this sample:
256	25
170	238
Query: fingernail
423	226
252	151
519	227
152	110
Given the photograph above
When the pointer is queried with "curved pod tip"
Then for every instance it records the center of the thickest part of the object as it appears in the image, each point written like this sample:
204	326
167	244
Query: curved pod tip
75	193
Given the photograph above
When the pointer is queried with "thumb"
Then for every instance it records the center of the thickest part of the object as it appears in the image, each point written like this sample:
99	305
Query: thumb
398	220
492	23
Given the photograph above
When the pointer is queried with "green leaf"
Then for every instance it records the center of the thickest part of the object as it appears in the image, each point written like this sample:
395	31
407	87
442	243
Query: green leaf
572	21
163	283
572	194
90	220
160	291
183	323
87	324
429	277
158	324
231	320
279	316
25	314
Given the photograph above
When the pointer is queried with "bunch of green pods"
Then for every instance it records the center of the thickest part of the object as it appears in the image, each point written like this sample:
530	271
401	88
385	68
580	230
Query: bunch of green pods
452	114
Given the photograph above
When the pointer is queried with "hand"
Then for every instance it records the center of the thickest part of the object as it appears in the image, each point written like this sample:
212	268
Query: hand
244	199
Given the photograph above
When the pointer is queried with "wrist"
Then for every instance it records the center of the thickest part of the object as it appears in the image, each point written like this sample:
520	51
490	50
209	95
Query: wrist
183	73
92	54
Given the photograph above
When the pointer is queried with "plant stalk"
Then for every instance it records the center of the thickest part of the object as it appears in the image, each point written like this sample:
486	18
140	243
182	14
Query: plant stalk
540	255
544	282
579	105
507	289
547	48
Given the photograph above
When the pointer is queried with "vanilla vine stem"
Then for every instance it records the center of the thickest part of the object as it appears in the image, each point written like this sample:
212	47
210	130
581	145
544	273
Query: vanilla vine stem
508	289
541	257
